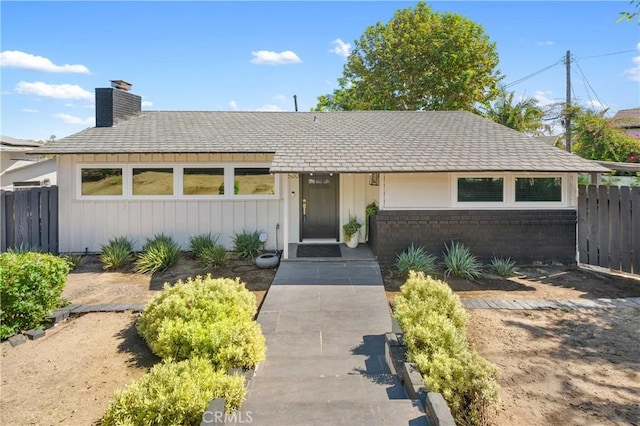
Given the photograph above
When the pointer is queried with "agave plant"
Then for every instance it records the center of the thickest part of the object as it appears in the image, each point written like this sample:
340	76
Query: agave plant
459	262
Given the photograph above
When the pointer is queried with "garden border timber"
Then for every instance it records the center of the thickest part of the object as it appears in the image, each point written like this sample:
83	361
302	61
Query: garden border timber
434	405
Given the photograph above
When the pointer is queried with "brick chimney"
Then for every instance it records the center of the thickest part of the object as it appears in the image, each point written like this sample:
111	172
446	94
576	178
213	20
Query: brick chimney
116	103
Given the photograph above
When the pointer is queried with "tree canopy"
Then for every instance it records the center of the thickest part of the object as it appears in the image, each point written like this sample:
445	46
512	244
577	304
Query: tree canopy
600	138
524	115
419	60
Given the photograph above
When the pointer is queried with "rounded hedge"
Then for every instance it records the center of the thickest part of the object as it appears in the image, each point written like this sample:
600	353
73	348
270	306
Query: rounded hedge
30	288
207	317
174	393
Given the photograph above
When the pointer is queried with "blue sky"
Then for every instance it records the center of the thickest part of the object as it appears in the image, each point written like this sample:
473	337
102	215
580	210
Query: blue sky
211	55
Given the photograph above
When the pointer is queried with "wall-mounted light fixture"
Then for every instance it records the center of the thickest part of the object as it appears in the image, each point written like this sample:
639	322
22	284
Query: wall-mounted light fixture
374	179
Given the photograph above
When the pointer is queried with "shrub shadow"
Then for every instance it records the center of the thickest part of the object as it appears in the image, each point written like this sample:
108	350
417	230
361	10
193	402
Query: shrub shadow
131	343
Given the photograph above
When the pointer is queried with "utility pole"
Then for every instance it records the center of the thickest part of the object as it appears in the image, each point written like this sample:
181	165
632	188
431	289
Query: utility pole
567	110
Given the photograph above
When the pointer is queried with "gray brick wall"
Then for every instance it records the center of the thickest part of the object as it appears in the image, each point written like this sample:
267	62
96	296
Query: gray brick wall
525	236
113	105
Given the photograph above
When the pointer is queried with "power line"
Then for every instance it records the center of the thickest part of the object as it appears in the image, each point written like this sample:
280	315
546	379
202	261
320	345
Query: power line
584	78
610	54
520	80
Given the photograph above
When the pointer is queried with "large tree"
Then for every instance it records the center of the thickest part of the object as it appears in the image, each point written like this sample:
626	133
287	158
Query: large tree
524	115
420	60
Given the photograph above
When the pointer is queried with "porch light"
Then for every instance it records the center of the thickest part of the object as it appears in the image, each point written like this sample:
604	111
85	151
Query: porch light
374	179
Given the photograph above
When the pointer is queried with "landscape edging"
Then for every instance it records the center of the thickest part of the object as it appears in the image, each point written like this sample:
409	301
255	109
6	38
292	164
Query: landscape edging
434	405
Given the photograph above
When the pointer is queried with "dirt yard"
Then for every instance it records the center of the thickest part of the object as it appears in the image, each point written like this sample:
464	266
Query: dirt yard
557	366
69	376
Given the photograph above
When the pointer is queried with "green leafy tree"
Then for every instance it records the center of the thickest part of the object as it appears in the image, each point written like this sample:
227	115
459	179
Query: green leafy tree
524	116
419	60
599	138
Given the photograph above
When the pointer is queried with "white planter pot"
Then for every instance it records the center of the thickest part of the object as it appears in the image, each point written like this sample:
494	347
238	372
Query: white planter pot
353	242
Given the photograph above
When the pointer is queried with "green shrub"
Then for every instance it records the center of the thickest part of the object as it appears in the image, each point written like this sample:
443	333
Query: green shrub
30	288
207	317
247	245
434	324
504	267
158	254
416	259
421	295
200	243
174	393
466	381
459	262
213	257
116	253
434	333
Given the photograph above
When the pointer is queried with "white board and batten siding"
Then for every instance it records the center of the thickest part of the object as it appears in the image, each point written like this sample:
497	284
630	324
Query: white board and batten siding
86	224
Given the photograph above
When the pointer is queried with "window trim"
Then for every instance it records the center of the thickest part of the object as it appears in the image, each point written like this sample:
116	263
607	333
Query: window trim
509	191
178	181
78	180
231	178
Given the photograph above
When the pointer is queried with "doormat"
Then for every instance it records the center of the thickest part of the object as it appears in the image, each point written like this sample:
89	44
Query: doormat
318	250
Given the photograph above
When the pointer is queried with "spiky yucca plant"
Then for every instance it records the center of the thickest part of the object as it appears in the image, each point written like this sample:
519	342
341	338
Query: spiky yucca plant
459	262
416	259
504	267
116	253
158	254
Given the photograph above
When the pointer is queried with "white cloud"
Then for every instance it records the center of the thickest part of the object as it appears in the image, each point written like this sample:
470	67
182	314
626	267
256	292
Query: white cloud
147	104
542	96
269	107
545	43
633	73
72	119
341	48
30	110
27	61
597	105
275	58
233	105
58	91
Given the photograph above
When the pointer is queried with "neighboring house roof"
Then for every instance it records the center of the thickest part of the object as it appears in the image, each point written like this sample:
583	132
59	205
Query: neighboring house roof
18	145
628	118
357	141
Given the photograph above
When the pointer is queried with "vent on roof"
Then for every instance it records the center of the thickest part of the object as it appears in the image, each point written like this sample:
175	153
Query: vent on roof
116	103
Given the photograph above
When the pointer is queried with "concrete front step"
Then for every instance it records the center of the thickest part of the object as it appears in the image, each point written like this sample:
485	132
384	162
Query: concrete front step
322	412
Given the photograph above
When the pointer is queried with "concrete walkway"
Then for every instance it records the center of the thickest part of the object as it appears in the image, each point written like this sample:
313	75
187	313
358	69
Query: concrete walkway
324	322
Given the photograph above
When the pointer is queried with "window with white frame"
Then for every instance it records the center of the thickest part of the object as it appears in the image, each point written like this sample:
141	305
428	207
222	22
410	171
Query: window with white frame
253	181
181	181
480	189
98	181
152	180
203	181
538	189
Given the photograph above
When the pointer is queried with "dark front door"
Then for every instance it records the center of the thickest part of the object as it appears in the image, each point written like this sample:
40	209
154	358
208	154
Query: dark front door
319	208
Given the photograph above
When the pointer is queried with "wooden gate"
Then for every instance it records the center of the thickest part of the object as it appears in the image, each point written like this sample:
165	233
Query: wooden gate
609	227
29	219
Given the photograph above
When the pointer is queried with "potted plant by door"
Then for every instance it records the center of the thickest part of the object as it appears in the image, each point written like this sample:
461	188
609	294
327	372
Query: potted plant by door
351	231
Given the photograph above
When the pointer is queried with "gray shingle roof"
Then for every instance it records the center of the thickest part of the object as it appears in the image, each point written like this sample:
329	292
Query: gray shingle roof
359	141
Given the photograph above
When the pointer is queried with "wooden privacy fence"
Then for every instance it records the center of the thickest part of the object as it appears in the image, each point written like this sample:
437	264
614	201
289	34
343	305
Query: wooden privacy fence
609	227
30	219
